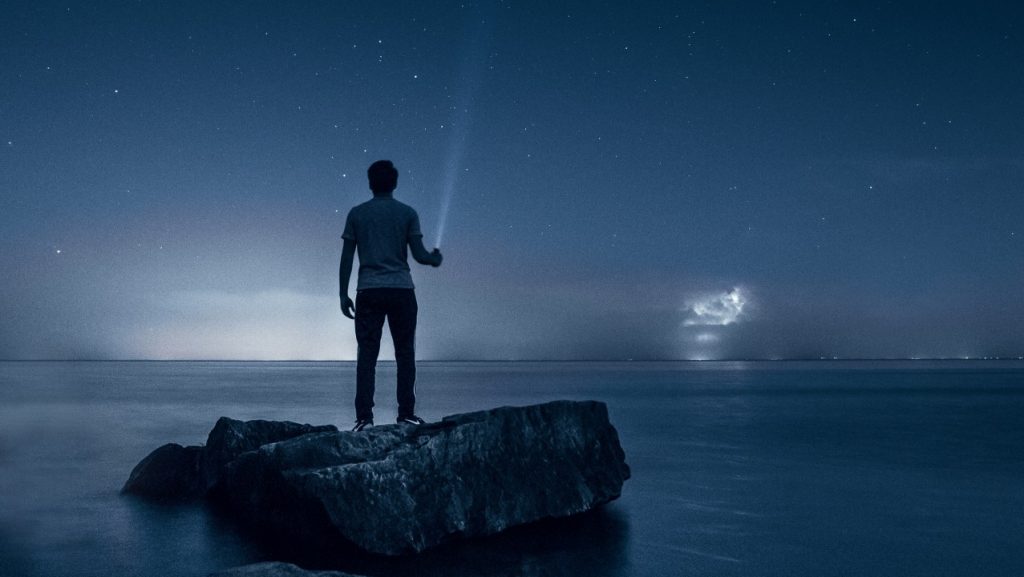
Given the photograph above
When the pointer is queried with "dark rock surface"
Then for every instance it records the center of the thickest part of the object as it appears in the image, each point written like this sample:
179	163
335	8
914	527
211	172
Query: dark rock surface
399	489
173	472
274	569
168	473
230	438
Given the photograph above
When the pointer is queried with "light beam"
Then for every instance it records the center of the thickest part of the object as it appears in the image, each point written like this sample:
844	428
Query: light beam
471	77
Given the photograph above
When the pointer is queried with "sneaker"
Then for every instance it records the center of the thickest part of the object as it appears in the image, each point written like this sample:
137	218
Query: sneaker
362	424
410	420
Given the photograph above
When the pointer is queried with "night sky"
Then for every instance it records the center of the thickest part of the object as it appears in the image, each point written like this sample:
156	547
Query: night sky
645	180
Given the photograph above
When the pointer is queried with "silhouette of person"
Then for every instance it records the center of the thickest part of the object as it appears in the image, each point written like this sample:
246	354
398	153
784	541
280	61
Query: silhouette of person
382	229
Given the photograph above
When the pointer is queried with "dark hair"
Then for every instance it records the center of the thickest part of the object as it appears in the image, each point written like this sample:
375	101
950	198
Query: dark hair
383	176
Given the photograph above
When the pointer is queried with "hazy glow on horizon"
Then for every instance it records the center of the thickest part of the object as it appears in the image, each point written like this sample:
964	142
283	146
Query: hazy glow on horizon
263	325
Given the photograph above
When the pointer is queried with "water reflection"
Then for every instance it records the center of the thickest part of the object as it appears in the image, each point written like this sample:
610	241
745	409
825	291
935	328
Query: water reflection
188	538
593	544
15	555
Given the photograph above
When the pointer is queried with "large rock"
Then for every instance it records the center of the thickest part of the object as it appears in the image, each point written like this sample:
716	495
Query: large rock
399	489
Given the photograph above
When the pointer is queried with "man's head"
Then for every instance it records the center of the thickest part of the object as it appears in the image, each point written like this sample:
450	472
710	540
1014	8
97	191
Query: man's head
383	177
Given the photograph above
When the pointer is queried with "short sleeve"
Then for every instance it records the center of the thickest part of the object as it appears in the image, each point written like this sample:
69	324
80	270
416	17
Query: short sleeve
414	225
350	227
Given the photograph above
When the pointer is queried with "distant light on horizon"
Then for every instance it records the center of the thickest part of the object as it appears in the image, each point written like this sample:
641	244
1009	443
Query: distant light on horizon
716	309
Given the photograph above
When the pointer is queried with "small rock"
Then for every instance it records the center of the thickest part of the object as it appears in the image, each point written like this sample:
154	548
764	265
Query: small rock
273	569
169	473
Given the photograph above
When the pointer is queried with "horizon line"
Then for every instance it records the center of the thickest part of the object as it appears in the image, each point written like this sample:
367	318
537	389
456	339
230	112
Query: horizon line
725	360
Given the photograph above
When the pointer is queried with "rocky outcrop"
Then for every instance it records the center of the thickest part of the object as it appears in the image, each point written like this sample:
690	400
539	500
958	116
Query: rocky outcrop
400	489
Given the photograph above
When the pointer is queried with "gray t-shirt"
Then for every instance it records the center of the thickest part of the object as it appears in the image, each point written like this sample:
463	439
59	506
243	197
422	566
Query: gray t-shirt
382	228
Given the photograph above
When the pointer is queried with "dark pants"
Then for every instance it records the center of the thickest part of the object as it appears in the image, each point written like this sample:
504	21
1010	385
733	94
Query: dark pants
399	306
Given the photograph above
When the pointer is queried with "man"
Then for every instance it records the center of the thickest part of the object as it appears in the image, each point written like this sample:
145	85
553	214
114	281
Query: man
381	229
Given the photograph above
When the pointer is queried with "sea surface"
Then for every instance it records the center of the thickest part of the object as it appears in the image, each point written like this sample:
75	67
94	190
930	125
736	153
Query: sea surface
739	468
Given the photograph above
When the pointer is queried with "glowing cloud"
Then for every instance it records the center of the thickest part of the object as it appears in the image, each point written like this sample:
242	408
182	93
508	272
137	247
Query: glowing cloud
716	309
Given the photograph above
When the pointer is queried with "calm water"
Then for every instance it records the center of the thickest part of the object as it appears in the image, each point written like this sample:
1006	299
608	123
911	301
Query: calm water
817	468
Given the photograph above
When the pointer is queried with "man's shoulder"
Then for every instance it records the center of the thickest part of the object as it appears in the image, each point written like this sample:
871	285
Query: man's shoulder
376	207
401	210
355	210
362	206
404	207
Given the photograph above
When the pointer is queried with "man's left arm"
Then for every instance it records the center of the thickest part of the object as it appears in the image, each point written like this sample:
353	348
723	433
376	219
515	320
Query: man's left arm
348	251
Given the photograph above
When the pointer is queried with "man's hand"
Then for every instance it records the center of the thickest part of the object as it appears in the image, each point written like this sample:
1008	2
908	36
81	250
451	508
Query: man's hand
436	254
348	308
